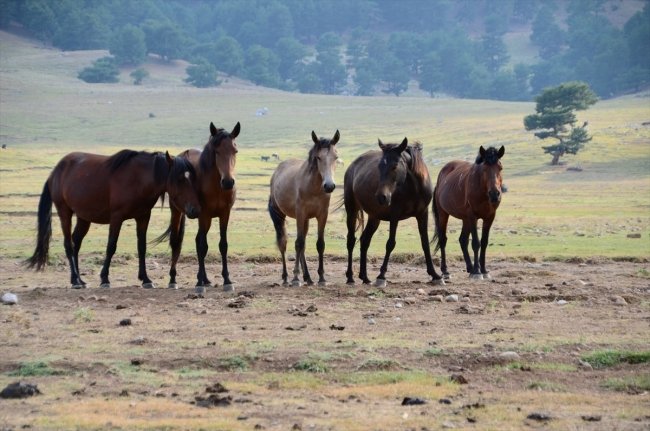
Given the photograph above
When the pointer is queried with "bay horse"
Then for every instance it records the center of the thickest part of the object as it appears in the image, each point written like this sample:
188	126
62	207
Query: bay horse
468	191
301	190
388	185
108	190
215	169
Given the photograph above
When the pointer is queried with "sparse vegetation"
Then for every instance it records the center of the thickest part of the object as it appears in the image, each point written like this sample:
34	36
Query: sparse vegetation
610	358
33	369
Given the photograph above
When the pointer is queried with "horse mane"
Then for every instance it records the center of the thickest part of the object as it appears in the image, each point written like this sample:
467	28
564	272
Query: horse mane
312	158
207	158
160	170
491	157
121	158
417	164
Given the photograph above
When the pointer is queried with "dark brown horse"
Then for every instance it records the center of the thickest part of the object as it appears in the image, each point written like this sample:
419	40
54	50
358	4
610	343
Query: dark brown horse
301	189
215	168
468	191
391	185
109	190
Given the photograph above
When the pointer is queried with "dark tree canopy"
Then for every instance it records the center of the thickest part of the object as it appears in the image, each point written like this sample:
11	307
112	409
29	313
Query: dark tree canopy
555	118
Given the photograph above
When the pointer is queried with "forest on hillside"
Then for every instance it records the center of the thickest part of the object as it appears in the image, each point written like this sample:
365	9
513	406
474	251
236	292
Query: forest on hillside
360	47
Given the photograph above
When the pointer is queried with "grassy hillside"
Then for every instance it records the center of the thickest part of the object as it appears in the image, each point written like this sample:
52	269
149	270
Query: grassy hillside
46	112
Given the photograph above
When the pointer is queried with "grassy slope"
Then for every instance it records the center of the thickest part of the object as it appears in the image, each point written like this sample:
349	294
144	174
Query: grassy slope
46	112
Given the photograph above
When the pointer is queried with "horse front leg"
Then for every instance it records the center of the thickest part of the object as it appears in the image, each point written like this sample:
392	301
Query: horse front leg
223	249
463	239
485	238
80	231
390	246
201	251
366	237
476	272
351	222
320	247
142	224
422	220
176	234
300	250
113	235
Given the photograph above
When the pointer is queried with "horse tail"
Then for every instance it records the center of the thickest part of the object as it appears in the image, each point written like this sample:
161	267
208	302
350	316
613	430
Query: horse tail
278	219
40	257
174	239
436	223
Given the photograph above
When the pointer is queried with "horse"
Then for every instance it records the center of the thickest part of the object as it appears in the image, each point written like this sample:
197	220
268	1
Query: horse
215	169
301	190
388	185
108	190
468	191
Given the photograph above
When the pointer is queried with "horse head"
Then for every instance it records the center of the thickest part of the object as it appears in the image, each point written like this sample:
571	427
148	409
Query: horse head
181	186
323	157
491	167
222	144
391	170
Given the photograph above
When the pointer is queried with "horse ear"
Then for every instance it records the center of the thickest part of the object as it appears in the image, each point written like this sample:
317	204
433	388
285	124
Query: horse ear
381	144
235	131
336	137
403	145
481	151
314	138
501	152
213	130
170	159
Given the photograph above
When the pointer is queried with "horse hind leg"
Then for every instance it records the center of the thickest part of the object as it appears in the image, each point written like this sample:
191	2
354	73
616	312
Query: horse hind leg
141	230
80	231
278	218
111	247
351	222
65	215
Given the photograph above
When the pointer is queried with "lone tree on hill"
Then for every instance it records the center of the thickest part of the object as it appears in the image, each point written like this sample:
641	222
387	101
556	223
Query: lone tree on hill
555	118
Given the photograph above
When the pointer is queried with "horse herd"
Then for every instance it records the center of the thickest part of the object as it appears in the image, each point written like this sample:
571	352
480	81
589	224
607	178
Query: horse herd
389	184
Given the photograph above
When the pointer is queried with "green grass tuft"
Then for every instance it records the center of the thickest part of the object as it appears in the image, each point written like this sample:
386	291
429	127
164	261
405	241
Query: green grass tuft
610	358
634	384
311	365
30	369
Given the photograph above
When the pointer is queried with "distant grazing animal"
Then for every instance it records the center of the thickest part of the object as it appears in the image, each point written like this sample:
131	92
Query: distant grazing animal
301	190
265	158
109	190
468	191
391	185
215	168
275	156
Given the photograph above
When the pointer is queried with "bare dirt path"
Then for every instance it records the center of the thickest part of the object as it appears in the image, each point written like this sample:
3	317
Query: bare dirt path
510	354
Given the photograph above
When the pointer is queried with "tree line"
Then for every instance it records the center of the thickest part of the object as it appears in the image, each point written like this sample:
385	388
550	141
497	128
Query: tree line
361	47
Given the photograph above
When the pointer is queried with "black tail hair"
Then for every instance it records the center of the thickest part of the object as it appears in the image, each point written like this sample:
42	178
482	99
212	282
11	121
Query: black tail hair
167	235
434	209
278	221
40	257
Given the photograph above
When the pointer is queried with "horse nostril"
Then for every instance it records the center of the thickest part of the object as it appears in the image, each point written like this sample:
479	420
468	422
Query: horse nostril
329	188
227	183
383	200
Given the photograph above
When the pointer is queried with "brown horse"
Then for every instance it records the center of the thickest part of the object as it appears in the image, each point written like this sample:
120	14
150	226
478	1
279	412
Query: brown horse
215	168
109	190
301	190
468	191
391	185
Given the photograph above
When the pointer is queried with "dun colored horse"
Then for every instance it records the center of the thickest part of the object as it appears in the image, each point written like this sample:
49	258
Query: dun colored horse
468	191
390	185
215	168
301	190
109	190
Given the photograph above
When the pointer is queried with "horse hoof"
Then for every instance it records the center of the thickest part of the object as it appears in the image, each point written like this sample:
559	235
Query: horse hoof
380	282
172	286
350	282
105	286
78	286
487	276
438	282
446	276
322	283
199	290
476	276
228	287
148	285
296	283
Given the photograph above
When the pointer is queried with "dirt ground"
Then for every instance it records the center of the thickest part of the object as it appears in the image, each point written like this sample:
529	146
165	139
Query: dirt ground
508	355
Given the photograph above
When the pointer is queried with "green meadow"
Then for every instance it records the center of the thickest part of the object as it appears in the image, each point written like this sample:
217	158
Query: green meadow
549	212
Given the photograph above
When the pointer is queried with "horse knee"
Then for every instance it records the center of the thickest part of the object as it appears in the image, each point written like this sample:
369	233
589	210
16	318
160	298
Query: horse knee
320	245
300	243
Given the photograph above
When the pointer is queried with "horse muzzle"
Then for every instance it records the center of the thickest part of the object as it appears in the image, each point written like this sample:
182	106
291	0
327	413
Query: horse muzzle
383	199
227	183
191	211
495	196
329	187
